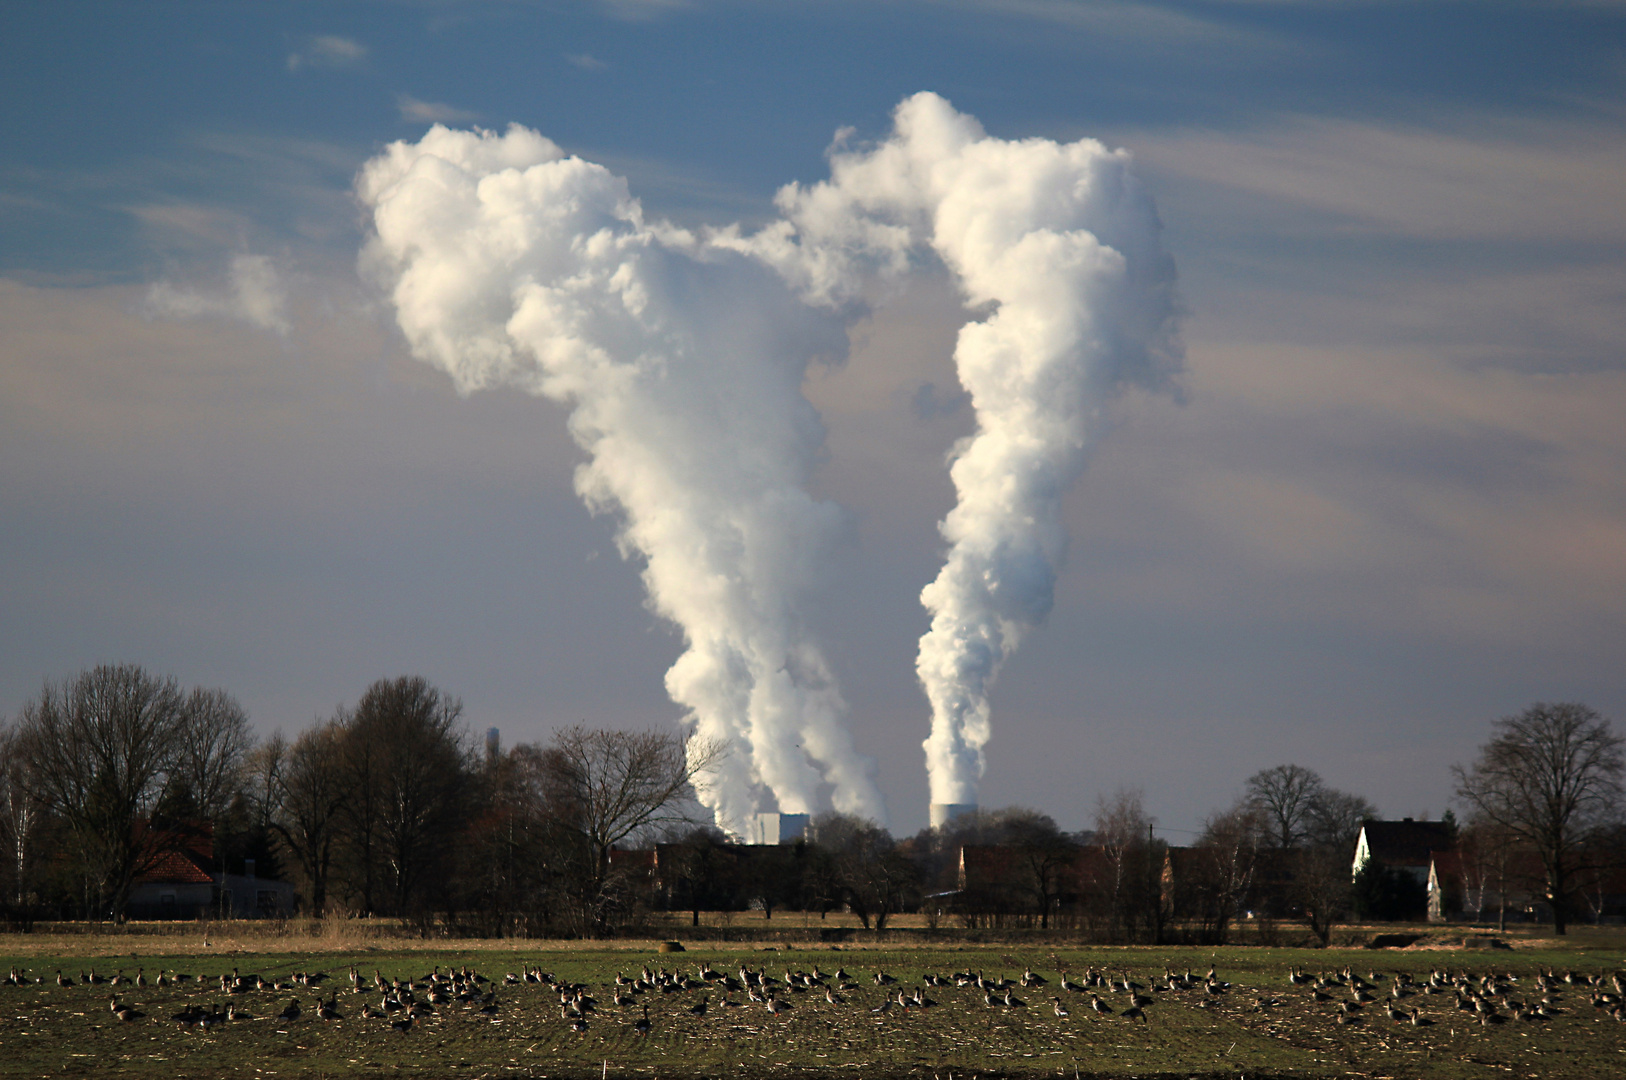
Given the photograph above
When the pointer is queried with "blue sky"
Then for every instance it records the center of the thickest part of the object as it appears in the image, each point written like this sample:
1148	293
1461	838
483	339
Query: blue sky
1387	511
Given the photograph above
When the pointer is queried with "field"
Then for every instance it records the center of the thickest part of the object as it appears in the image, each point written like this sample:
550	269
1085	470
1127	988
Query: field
1251	1020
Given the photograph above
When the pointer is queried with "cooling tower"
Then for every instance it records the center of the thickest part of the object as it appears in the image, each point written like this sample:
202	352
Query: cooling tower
944	812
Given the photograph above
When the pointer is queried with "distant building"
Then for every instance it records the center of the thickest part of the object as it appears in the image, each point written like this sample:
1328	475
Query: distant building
1404	845
776	829
182	881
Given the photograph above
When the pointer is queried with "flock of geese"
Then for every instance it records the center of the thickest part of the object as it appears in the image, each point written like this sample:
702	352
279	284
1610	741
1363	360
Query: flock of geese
1481	997
1351	999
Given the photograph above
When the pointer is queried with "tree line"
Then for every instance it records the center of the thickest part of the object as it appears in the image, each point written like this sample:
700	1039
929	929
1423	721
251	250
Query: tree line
388	808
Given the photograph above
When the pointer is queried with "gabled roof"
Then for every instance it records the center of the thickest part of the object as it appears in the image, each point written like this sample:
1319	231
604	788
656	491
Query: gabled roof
176	868
1405	843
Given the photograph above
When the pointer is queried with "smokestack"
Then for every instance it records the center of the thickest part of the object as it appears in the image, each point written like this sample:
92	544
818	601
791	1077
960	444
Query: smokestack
493	744
944	812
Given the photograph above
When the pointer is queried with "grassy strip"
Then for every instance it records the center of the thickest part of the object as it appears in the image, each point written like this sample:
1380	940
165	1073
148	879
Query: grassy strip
1261	1025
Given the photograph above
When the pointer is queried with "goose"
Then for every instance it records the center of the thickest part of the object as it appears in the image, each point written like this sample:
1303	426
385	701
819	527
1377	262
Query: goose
776	1006
833	998
328	1010
699	1007
1394	1014
128	1013
290	1013
234	1013
403	1025
641	1025
579	1024
1014	1002
1419	1020
1100	1006
1061	1011
1134	1013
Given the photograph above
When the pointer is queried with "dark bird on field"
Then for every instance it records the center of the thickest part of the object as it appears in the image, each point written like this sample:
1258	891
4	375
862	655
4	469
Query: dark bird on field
641	1025
579	1024
403	1025
291	1012
699	1007
1061	1011
128	1013
1133	1013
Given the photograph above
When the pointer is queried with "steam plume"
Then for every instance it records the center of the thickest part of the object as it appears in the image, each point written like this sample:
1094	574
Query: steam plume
681	359
1062	243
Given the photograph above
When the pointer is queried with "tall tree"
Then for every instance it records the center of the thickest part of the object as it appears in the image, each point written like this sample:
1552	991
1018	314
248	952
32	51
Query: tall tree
211	752
100	751
1552	778
20	814
1286	797
416	771
607	787
308	789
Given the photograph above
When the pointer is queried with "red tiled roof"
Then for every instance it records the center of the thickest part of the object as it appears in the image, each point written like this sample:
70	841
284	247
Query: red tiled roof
1405	843
176	867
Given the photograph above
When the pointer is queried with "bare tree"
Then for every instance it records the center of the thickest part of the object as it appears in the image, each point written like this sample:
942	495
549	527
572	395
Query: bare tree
309	791
607	787
20	812
1551	777
874	877
417	769
100	750
1286	796
213	745
1134	889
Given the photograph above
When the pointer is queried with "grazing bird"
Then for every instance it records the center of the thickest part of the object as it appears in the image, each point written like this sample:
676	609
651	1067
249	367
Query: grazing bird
1100	1006
291	1013
579	1024
1061	1011
833	998
328	1010
128	1013
699	1007
403	1025
1134	1013
641	1025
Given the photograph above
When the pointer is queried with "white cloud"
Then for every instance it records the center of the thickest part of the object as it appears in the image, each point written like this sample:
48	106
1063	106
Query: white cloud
254	294
432	112
327	50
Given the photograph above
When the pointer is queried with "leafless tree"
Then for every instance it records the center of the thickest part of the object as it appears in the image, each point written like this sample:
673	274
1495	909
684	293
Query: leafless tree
213	745
20	812
1550	777
1134	889
608	787
100	750
308	789
415	767
873	876
1226	865
1286	796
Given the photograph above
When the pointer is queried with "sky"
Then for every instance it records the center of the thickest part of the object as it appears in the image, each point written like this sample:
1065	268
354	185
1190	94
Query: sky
1384	508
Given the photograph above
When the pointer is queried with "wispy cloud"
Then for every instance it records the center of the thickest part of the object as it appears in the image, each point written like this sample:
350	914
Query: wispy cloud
329	51
432	112
1508	180
586	61
254	294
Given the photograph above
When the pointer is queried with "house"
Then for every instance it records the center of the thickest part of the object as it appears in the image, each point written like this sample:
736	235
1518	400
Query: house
181	880
1405	845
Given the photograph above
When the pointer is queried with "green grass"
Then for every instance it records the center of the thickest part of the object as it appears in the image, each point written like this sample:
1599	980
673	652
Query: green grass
1262	1026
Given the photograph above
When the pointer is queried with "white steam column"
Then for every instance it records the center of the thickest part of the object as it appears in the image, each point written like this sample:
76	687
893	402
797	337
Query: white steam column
1060	244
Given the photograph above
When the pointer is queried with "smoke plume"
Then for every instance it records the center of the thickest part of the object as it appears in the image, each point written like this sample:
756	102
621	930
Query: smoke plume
681	359
1060	245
